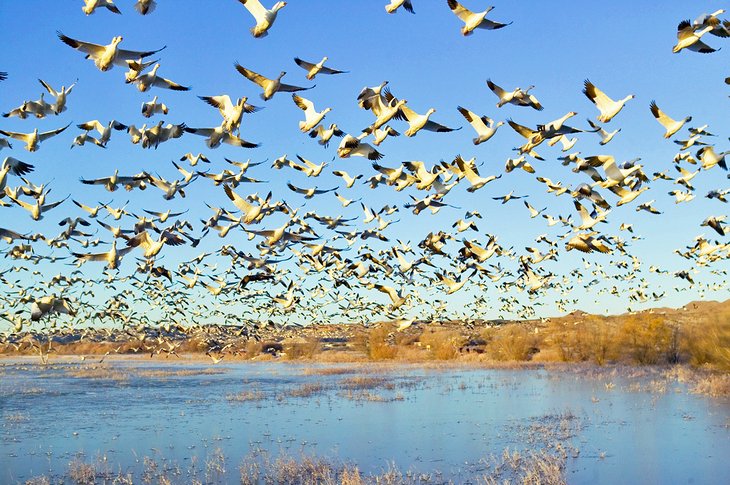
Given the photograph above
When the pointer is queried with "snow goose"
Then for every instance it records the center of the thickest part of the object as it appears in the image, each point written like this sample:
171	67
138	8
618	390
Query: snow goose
607	106
232	113
252	213
469	171
626	195
715	222
395	296
145	6
368	95
588	220
671	126
351	146
308	193
40	108
680	196
137	67
194	159
104	131
48	305
521	162
145	81
345	202
418	122
688	37
264	18
518	96
484	126
33	140
270	86
152	248
151	107
12	166
216	136
90	6
566	142
394	5
112	257
605	135
708	158
311	115
473	20
84	138
105	56
380	134
720	28
59	104
314	69
349	181
38	208
309	168
533	212
507	197
326	134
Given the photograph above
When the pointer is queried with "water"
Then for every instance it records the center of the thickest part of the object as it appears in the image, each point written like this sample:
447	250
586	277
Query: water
615	429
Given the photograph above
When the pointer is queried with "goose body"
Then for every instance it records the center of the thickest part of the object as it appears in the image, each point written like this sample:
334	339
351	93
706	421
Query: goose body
264	17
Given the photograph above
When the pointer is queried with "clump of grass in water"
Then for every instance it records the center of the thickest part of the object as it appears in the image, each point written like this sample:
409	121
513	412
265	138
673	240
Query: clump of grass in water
251	395
308	389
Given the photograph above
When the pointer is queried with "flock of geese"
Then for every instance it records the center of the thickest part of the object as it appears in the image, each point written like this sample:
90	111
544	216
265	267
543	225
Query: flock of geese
275	262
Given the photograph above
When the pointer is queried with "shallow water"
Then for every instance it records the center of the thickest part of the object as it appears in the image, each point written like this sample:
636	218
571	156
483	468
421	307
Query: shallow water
643	429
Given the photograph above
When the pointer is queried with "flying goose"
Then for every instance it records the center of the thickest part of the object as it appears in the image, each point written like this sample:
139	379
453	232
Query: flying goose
13	166
671	126
270	86
112	257
104	131
309	168
394	5
688	37
38	208
264	18
251	212
716	223
84	138
484	126
608	107
473	20
708	158
145	6
194	159
351	146
113	182
326	134
566	142
395	296
518	97
311	115
40	108
370	95
145	81
216	136
469	171
380	134
33	140
152	248
105	56
605	135
90	6
151	107
314	69
59	105
308	193
232	113
50	304
417	122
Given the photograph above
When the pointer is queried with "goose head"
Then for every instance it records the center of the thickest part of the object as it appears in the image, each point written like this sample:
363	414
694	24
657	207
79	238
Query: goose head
281	75
278	6
116	40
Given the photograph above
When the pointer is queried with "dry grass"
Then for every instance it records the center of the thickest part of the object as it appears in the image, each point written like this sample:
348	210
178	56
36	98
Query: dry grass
81	473
244	396
308	389
41	480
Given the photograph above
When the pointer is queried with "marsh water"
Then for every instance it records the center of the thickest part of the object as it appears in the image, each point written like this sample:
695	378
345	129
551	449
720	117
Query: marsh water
614	427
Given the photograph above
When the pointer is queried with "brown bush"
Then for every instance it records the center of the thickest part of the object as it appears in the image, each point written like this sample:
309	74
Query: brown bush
646	339
302	350
442	344
377	343
510	342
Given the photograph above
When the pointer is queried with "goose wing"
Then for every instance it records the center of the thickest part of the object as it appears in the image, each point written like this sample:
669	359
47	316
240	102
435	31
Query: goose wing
251	75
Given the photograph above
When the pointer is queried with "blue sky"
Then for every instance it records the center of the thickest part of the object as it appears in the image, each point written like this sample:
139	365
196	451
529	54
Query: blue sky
621	47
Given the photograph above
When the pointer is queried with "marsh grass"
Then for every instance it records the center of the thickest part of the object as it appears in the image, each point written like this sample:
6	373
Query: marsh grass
249	395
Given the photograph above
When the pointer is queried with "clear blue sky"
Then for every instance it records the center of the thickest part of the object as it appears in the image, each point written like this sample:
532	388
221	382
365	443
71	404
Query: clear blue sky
623	48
